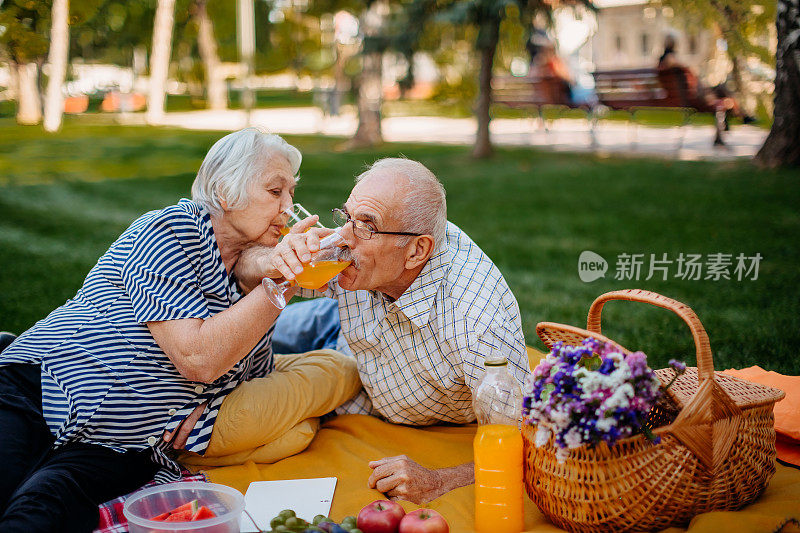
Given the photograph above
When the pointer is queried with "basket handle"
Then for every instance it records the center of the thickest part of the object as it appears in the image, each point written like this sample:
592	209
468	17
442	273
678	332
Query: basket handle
705	361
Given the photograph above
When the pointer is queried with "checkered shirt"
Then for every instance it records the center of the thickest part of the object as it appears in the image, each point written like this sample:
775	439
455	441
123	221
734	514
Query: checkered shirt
420	357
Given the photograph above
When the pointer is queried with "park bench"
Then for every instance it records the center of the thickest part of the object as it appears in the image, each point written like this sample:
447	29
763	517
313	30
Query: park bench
539	93
667	89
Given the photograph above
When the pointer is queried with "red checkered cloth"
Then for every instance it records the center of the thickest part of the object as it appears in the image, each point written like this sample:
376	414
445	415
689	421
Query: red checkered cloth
111	518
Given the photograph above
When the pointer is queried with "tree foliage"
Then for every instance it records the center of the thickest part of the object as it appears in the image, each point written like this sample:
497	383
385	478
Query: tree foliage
741	22
25	24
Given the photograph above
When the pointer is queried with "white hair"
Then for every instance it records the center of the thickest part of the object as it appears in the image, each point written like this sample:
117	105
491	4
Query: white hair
233	163
424	205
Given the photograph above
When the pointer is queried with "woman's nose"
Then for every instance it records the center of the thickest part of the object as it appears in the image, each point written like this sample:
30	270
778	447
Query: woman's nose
286	201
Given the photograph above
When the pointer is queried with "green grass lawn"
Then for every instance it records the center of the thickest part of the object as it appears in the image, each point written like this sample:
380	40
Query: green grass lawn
65	198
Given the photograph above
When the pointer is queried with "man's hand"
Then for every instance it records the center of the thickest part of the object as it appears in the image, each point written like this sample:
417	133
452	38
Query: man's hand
400	478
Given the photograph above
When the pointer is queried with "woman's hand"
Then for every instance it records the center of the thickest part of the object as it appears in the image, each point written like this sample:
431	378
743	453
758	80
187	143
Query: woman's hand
181	433
287	258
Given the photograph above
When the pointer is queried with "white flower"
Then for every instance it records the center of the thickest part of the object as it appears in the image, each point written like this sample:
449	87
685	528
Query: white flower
605	424
541	437
620	398
573	438
561	455
559	416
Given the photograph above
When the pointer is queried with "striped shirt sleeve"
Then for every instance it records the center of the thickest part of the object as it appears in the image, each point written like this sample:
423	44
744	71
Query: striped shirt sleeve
159	275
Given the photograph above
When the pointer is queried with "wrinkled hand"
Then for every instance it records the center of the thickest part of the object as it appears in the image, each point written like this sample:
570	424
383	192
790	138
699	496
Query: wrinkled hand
294	249
400	478
181	433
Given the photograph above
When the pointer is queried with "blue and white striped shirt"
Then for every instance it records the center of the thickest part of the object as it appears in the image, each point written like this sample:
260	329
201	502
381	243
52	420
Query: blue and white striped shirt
104	379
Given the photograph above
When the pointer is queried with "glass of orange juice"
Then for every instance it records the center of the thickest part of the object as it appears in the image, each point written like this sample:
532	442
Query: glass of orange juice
325	264
296	213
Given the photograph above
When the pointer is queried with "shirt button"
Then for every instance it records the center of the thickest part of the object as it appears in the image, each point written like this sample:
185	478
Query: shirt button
151	441
198	389
172	412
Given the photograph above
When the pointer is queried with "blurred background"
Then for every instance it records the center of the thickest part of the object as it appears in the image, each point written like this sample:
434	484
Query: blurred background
616	126
418	56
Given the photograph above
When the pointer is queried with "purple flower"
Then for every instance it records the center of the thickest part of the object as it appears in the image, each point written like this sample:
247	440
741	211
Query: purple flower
589	394
606	367
679	366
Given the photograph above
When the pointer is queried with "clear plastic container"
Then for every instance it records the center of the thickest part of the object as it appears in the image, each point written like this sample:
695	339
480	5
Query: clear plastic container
226	502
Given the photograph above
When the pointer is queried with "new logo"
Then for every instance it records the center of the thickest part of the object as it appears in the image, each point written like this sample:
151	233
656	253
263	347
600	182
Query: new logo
591	266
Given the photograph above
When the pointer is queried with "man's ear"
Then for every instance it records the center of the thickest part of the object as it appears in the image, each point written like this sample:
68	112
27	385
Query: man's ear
418	251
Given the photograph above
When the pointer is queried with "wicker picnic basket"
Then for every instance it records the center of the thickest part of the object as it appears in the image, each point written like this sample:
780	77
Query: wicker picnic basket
717	449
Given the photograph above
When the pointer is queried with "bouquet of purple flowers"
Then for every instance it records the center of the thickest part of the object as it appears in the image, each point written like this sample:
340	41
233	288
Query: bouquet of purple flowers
592	393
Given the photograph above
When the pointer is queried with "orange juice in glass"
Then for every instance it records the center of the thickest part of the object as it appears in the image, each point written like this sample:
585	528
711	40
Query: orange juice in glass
325	264
498	479
296	213
317	273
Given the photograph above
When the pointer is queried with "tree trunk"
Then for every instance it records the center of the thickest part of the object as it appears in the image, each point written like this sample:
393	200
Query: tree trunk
159	59
370	82
744	96
58	57
13	81
216	91
370	88
483	141
29	100
782	147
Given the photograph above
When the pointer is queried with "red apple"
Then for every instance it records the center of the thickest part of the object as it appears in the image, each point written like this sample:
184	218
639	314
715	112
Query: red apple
381	516
423	521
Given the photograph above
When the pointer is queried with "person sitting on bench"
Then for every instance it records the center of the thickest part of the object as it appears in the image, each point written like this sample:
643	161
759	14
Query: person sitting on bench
719	97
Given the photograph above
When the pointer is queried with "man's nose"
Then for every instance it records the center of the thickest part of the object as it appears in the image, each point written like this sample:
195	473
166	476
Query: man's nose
347	234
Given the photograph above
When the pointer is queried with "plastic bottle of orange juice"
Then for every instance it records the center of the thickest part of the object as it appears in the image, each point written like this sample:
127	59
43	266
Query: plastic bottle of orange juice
498	451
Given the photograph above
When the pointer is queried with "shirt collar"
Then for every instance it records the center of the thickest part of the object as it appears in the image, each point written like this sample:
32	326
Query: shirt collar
417	301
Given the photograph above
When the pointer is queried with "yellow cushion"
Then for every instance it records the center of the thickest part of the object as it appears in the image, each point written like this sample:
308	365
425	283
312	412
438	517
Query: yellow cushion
267	419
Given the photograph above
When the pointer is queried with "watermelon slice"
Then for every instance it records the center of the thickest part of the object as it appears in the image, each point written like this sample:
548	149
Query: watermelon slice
203	513
183	516
191	508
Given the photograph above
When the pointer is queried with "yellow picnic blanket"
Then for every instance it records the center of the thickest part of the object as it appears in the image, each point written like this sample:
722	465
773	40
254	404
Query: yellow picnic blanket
345	444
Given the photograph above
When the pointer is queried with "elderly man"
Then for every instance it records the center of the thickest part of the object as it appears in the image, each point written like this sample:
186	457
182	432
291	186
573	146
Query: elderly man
421	307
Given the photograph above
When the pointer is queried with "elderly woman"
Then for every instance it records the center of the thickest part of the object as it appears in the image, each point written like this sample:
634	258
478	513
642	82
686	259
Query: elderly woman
95	398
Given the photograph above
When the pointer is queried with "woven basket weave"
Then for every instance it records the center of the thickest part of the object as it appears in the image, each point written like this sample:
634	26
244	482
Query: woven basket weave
717	449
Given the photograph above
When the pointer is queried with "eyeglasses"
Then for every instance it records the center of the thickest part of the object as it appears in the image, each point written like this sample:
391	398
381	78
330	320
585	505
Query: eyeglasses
362	229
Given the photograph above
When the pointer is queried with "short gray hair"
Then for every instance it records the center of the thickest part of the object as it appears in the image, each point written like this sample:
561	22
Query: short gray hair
231	165
424	205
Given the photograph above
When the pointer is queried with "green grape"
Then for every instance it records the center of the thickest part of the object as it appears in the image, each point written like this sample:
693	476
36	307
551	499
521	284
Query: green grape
286	513
293	522
275	522
319	519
